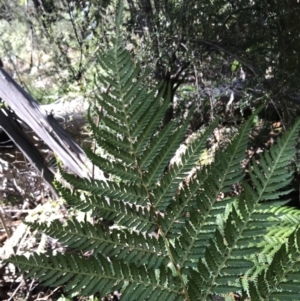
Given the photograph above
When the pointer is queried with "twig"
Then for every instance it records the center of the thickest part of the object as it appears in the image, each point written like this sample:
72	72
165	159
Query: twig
2	213
15	291
16	211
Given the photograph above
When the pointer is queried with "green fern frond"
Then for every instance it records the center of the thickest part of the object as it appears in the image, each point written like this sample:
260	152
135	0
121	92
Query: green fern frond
289	216
131	247
269	178
280	280
98	274
211	182
143	142
128	192
159	142
170	182
114	168
160	162
240	224
287	222
172	238
123	214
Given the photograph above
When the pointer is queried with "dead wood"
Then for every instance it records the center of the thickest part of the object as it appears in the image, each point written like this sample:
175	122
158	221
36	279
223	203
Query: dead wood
42	121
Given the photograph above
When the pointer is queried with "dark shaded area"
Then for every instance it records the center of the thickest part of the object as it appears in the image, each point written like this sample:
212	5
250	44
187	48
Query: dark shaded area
5	141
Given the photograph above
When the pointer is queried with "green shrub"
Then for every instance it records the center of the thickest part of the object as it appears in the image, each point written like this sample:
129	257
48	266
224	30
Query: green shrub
171	239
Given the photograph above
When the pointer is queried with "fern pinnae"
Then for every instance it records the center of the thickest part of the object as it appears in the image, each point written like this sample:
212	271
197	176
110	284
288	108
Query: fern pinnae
280	281
132	95
160	162
279	156
123	69
120	143
114	168
169	183
174	222
121	213
113	98
128	192
238	223
228	171
118	153
120	244
217	260
138	120
105	102
153	118
156	116
131	71
113	125
107	64
134	91
106	81
289	216
158	143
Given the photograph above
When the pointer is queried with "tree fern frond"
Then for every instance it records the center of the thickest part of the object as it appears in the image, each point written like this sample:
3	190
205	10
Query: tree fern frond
157	112
268	177
173	223
211	181
160	162
97	274
150	121
126	215
290	216
133	95
280	281
157	144
123	155
127	192
170	238
114	168
170	182
138	119
119	20
118	127
138	130
235	229
113	112
277	235
111	139
131	247
107	81
224	257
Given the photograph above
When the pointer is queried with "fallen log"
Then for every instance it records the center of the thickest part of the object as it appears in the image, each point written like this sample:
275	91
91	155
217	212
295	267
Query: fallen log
70	114
43	121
